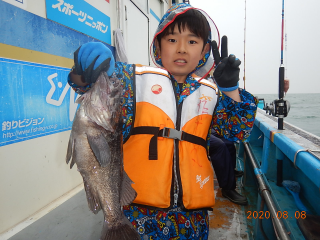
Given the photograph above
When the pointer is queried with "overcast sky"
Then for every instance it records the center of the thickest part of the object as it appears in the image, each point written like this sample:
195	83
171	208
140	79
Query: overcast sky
263	41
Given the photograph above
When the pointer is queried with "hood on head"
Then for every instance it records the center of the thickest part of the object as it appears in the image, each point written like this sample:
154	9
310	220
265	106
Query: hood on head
206	64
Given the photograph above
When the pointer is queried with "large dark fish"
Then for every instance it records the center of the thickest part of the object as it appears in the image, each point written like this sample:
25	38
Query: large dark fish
95	145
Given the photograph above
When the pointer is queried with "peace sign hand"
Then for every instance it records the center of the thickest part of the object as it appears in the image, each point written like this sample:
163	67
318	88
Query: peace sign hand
227	69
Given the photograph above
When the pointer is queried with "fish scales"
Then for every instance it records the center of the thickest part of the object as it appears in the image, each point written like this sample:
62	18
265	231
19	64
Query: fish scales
95	146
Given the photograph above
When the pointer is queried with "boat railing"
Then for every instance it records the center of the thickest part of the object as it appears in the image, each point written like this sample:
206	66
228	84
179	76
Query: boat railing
274	156
301	147
280	227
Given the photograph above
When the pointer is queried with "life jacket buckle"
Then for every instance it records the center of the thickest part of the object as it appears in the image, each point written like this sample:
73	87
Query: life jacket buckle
172	133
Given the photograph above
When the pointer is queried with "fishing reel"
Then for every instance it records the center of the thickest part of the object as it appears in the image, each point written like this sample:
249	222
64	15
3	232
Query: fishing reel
278	108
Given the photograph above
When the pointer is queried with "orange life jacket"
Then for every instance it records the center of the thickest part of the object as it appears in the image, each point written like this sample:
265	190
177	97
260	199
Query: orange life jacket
166	155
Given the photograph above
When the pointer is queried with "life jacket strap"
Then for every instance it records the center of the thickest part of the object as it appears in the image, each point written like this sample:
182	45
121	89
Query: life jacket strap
166	133
153	146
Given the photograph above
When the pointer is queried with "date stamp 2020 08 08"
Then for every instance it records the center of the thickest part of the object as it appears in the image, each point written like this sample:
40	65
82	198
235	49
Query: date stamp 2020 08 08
280	214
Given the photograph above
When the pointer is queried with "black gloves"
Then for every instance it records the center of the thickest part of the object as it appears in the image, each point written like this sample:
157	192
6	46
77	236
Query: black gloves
227	69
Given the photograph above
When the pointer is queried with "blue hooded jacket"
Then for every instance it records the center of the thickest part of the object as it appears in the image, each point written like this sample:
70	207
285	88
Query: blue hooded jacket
233	120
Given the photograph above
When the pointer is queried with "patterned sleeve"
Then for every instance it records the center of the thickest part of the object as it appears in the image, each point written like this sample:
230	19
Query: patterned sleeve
234	120
125	72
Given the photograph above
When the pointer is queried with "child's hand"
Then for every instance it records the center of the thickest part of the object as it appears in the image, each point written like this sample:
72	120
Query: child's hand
91	59
227	69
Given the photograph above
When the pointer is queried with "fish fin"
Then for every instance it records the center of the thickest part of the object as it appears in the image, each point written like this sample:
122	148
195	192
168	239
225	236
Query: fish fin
128	194
123	231
70	150
100	148
93	201
73	161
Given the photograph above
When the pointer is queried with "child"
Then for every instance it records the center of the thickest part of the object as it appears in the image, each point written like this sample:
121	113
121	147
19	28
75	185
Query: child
167	116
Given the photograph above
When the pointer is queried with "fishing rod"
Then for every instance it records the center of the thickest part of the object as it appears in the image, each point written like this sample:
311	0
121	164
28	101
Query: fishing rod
279	107
281	78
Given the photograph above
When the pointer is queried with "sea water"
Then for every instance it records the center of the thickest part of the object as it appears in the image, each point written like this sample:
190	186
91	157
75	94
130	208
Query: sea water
304	110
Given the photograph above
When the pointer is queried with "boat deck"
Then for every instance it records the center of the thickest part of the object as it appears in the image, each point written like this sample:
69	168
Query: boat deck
228	220
73	220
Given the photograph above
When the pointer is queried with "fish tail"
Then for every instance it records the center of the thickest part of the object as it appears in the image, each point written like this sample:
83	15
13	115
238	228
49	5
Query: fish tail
123	231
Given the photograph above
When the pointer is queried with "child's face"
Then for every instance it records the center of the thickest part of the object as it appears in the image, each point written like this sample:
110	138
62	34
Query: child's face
180	52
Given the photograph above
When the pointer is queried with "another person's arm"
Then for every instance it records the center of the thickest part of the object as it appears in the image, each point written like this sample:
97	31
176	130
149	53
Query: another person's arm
286	86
